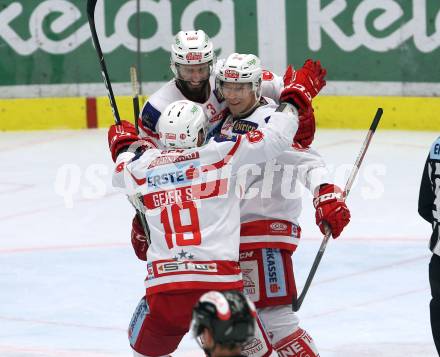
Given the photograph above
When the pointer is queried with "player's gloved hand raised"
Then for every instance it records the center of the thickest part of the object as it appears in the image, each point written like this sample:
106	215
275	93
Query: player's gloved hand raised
120	137
139	239
331	208
301	86
306	128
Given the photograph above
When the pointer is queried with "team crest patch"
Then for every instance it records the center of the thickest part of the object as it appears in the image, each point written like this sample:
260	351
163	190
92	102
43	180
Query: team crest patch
267	75
255	136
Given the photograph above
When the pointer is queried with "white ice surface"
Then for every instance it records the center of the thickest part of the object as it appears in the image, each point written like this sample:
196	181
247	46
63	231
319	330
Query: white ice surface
69	280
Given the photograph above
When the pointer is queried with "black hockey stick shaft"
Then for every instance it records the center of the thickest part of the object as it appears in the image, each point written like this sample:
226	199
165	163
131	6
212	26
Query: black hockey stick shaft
91	4
296	303
135	92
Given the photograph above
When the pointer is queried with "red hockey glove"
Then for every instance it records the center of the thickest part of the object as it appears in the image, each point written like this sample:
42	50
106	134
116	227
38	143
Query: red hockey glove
306	129
303	85
120	137
331	208
138	239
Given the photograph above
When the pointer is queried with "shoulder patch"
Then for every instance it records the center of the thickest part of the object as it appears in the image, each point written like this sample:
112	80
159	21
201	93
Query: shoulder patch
267	75
255	136
150	116
435	150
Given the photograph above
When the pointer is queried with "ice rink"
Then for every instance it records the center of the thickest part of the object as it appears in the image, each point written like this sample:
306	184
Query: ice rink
69	280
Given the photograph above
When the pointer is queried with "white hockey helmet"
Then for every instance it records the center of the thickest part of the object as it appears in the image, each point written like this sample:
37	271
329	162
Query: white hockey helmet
180	124
241	68
191	47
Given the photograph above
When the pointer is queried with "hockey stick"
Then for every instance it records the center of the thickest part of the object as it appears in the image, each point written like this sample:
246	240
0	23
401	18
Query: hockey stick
91	4
135	92
296	303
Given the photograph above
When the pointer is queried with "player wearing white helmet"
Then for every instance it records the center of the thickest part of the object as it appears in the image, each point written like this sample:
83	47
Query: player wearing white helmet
186	191
194	49
182	126
270	229
192	63
214	107
240	80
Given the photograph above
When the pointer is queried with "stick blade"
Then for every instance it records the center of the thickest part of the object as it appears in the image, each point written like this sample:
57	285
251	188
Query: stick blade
376	119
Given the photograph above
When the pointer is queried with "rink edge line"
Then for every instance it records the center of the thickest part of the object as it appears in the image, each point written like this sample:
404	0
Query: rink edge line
343	112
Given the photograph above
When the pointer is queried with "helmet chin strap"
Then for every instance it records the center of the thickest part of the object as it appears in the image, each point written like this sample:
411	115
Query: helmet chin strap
199	96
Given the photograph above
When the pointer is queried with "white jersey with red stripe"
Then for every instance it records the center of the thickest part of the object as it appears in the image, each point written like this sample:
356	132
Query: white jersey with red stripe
191	201
272	202
215	107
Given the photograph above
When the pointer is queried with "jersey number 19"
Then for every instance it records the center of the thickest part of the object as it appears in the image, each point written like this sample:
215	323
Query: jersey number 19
179	228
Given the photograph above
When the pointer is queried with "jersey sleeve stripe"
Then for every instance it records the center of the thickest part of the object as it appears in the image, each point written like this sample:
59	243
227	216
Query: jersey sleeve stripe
219	164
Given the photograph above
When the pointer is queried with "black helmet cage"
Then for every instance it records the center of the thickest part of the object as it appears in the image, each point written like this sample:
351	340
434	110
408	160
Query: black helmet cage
237	329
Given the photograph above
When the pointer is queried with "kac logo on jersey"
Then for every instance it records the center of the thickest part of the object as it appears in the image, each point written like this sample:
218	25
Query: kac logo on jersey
267	75
255	136
274	273
171	175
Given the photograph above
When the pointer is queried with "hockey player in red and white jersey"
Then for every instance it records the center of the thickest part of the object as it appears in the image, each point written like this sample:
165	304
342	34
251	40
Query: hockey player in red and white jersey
188	194
270	229
192	62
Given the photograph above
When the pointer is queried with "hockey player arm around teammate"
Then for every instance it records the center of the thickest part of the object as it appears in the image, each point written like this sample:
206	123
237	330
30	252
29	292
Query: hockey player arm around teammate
299	90
120	138
328	198
264	144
